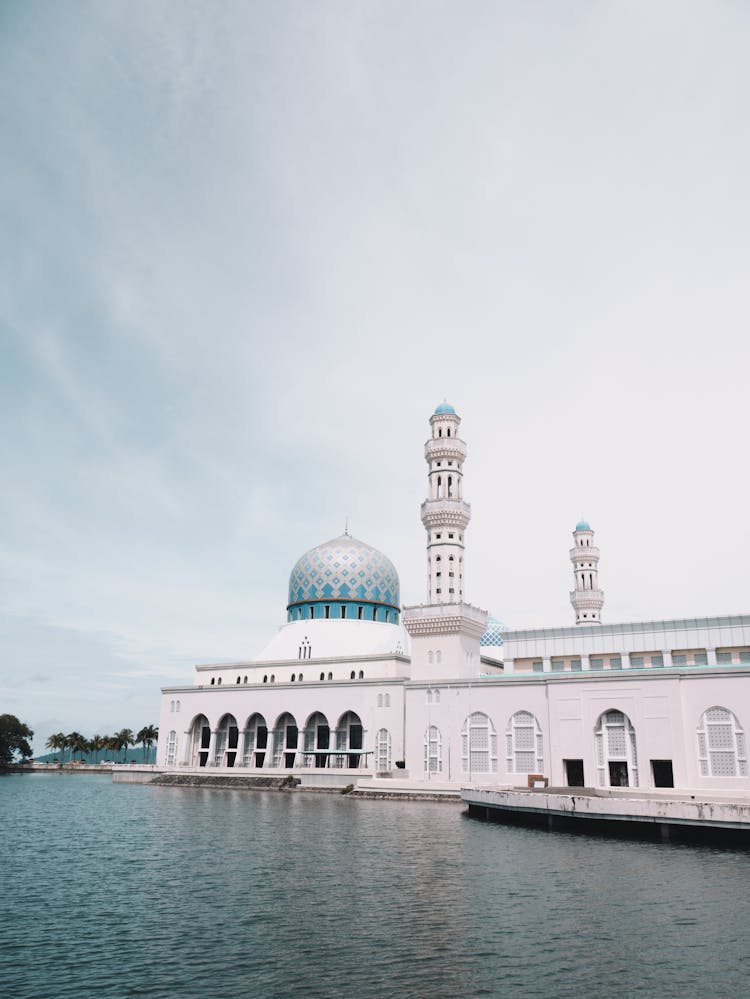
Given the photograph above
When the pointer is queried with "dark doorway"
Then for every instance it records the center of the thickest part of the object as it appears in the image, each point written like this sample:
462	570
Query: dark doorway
618	773
662	771
574	773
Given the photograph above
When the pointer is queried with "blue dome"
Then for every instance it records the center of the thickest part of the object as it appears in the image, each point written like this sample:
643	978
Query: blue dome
493	634
583	525
444	407
344	578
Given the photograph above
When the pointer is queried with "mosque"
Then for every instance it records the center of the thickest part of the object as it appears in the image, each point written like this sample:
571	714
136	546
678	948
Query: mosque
355	687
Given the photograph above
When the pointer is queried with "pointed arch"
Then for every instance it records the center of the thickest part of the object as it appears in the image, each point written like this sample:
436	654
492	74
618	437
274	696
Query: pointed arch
349	739
316	741
255	742
225	747
200	741
285	740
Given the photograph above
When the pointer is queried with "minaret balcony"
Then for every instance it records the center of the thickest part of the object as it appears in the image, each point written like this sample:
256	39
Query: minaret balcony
587	598
445	513
584	554
445	449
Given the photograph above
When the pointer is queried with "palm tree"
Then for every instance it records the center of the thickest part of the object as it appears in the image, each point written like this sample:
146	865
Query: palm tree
147	737
110	745
77	743
123	739
56	742
96	744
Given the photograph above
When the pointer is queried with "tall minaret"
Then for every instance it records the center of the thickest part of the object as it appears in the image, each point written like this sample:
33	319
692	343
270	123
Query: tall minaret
444	513
587	598
445	632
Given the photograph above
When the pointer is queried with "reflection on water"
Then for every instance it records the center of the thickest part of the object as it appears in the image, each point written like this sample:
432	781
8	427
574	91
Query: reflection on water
116	891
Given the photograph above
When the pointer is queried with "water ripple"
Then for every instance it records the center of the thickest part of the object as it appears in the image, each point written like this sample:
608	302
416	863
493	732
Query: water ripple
118	891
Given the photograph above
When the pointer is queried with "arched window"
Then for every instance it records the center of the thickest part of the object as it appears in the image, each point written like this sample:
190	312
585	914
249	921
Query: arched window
430	657
294	677
177	705
330	676
171	705
213	680
361	674
721	745
380	700
383	750
438	656
218	682
387	700
437	696
352	675
616	758
245	680
433	756
523	741
479	744
299	678
265	678
239	679
429	696
322	676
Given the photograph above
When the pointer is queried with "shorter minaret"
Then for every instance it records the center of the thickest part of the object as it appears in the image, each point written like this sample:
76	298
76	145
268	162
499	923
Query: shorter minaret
587	598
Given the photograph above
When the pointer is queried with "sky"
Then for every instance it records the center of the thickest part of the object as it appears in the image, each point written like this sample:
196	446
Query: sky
247	248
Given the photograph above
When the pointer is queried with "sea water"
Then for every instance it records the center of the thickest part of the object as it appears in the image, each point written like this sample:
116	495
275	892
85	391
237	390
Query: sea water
130	890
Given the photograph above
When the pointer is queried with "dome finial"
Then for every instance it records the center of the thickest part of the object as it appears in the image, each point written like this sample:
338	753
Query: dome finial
346	525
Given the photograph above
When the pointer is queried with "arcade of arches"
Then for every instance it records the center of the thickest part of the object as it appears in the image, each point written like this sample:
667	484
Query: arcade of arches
282	746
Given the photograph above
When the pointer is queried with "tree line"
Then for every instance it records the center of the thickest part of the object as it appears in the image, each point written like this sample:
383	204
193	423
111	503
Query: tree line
102	744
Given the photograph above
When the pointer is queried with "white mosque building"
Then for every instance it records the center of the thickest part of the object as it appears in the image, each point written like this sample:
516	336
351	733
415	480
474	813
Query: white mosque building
355	686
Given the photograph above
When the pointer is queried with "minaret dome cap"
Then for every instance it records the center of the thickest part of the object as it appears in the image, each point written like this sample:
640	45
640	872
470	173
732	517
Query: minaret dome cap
583	525
443	408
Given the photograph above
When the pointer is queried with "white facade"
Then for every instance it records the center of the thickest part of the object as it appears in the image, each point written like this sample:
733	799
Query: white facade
344	690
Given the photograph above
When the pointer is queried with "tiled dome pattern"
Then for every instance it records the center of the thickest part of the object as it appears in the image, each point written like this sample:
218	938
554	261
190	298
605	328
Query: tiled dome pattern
493	634
344	570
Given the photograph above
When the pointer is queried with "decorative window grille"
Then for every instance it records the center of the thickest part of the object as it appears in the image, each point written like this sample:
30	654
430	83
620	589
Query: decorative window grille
524	746
479	744
171	748
433	757
383	750
721	745
615	743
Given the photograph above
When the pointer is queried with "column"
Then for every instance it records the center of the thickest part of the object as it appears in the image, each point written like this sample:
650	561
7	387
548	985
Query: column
211	747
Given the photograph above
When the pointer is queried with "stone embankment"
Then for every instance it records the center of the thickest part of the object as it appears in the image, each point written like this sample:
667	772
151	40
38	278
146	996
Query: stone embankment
226	781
